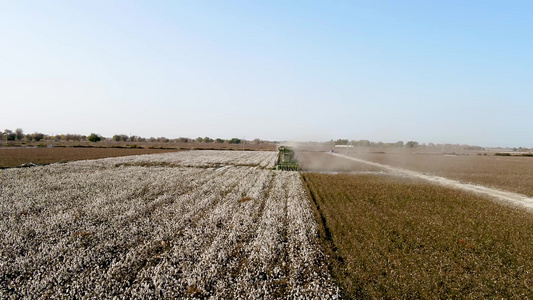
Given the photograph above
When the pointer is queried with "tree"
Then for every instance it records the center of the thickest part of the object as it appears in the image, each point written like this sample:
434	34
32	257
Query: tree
235	141
341	142
10	136
208	140
19	134
411	144
363	143
72	137
94	138
219	140
37	136
120	137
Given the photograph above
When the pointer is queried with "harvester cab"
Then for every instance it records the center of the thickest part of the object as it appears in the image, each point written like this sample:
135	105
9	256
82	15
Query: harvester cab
286	159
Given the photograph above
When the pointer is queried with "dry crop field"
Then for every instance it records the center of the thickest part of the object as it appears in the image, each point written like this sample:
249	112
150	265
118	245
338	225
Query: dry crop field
188	224
395	237
391	236
514	174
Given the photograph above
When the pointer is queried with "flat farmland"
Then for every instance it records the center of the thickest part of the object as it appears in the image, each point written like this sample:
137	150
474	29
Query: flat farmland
15	157
70	151
514	174
224	224
190	224
394	237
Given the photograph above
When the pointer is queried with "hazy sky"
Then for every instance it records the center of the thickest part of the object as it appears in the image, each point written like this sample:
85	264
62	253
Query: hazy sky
431	71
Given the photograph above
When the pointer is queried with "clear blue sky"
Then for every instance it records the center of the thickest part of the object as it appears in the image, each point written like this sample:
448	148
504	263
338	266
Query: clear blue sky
431	71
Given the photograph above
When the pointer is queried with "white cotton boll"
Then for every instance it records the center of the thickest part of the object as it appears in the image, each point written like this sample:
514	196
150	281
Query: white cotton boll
205	223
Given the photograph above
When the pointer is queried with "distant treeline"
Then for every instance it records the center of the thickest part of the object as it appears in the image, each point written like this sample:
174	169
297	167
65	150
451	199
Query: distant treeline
367	143
412	144
399	144
18	135
509	154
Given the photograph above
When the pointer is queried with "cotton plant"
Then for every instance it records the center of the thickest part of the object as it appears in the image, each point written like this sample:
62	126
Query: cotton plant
195	224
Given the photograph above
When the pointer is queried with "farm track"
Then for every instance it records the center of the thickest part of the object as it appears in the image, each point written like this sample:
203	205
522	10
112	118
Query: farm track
503	196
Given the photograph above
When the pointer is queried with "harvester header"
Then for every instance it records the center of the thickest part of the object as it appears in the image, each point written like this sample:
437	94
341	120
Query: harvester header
286	159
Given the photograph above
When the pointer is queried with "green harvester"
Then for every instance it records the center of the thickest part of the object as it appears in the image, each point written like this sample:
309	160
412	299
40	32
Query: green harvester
286	159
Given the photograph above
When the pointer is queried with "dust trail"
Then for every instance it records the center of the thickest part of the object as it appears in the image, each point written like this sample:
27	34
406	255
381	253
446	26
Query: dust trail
509	197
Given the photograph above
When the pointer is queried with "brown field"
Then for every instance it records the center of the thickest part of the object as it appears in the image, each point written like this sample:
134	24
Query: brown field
513	173
69	151
393	237
14	157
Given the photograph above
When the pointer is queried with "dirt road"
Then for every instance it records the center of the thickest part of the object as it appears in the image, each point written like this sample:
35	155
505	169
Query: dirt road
506	197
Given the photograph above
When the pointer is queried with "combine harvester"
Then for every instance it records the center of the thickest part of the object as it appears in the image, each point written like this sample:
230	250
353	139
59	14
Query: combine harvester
286	159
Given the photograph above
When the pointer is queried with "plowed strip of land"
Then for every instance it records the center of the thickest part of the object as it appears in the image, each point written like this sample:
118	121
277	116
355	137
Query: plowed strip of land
507	197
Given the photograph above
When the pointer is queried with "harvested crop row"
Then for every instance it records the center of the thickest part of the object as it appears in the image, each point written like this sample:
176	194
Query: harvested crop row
397	237
106	228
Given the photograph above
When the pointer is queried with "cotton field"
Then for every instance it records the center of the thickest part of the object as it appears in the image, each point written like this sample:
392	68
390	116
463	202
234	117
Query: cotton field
191	224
